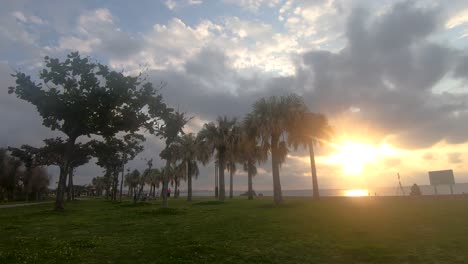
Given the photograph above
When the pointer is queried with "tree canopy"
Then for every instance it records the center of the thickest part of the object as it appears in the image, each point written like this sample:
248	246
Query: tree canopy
80	97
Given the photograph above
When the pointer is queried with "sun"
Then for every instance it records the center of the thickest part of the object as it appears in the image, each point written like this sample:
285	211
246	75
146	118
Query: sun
354	156
356	192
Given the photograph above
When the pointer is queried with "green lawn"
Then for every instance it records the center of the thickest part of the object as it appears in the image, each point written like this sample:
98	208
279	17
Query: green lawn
347	230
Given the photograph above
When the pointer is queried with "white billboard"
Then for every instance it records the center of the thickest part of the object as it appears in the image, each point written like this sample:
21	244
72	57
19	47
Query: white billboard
441	177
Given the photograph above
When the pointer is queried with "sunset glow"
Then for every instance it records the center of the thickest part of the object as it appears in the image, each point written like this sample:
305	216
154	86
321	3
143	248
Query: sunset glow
354	156
356	193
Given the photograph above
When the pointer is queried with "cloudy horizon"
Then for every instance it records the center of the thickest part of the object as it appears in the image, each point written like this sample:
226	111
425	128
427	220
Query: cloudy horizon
391	76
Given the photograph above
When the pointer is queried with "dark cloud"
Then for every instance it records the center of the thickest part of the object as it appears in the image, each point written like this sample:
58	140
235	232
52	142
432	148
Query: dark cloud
388	69
403	26
461	70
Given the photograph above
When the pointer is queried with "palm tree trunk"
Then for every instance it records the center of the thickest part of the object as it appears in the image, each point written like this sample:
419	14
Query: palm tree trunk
313	171
278	197
230	184
222	190
165	185
175	189
189	181
249	176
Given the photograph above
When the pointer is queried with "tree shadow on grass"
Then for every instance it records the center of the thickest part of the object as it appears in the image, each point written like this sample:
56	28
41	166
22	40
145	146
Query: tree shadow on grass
282	205
208	203
49	212
134	205
163	211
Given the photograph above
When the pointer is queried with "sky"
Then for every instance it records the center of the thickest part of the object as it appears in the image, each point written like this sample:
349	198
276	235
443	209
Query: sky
391	76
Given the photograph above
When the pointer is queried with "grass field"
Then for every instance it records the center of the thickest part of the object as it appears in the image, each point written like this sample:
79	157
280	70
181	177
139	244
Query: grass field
345	230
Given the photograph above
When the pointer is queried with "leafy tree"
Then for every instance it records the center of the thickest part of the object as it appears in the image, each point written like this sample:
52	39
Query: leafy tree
274	117
113	154
39	182
82	98
10	175
310	131
217	137
14	181
27	155
80	156
53	153
3	168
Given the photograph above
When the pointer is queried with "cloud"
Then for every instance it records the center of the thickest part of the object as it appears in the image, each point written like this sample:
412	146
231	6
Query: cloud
175	4
28	19
458	19
428	156
388	69
96	31
461	70
454	158
253	5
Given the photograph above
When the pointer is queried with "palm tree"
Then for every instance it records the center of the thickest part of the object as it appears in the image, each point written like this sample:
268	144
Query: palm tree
142	181
153	180
274	117
216	137
313	128
99	184
231	167
232	155
250	152
191	150
178	174
132	180
172	128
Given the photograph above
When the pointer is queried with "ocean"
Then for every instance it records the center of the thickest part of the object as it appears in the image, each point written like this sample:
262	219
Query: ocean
459	188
